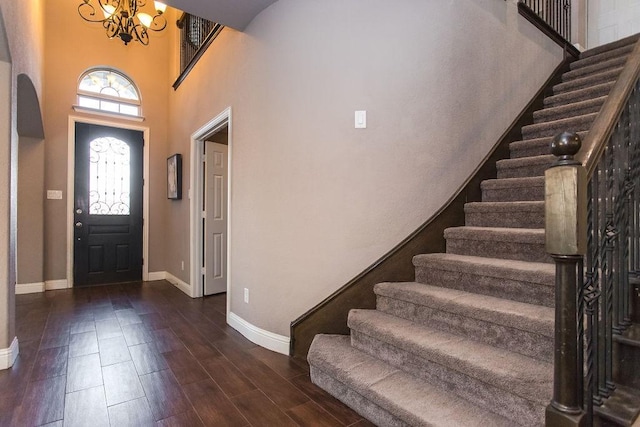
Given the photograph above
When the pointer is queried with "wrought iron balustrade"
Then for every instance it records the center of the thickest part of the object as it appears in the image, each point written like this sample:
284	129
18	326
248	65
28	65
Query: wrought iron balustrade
604	296
196	34
556	13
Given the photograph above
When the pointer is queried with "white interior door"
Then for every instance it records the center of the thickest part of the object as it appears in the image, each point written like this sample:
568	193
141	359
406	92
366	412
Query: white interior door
611	20
215	218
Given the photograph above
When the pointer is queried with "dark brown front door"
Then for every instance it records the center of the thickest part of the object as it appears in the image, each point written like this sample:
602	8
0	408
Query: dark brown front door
108	205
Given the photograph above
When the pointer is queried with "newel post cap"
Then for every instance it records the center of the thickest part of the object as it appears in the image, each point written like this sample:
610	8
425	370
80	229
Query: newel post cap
565	146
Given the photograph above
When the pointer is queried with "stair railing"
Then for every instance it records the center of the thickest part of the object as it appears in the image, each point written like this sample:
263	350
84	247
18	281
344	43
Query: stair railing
592	209
556	13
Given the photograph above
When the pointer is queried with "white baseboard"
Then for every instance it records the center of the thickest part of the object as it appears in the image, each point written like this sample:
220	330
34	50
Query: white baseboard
29	288
8	355
157	275
51	285
266	339
183	286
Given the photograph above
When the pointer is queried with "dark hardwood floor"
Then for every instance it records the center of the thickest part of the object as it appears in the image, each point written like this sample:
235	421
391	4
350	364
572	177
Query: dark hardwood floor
145	354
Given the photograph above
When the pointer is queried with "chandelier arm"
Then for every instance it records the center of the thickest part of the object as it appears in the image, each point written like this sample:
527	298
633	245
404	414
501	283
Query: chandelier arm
111	27
87	12
140	34
159	23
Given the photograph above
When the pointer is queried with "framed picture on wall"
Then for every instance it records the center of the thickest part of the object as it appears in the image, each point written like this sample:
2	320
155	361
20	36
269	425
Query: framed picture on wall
174	177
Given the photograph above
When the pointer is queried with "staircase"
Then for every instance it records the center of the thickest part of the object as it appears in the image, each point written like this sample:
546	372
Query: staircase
470	342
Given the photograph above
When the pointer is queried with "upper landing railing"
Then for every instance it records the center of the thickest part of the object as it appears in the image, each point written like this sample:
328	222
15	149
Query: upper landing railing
196	34
553	17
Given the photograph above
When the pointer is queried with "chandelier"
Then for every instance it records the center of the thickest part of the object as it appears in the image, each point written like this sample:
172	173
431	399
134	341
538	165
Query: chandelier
121	18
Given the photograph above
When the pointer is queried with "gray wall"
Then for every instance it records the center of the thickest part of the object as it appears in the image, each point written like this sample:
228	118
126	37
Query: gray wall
21	52
313	200
30	210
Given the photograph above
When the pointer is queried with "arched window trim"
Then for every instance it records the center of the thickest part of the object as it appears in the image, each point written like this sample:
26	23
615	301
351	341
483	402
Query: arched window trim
86	97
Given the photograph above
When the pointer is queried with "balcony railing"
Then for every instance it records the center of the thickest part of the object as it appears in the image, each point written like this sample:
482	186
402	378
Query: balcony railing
196	34
553	17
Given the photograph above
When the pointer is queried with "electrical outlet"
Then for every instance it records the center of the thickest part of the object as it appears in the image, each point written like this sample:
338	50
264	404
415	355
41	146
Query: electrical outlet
246	295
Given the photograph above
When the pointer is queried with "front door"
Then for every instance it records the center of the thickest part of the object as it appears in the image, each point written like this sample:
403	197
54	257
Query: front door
108	205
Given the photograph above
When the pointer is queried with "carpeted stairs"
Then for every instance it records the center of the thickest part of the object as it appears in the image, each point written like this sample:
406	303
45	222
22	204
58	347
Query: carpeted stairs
470	342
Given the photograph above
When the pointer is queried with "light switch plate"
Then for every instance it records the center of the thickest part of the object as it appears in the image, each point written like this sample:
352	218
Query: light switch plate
54	194
361	119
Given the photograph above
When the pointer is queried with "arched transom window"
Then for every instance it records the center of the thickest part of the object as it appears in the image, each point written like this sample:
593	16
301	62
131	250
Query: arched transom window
107	90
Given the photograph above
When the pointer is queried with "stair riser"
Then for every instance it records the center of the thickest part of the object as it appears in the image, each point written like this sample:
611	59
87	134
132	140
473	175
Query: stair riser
549	115
515	290
530	150
513	194
532	252
353	399
551	129
594	69
515	340
523	219
534	147
587	81
502	402
602	57
524	171
628	364
577	96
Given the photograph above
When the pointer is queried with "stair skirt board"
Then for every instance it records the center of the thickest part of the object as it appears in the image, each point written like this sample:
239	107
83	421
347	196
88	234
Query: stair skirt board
476	326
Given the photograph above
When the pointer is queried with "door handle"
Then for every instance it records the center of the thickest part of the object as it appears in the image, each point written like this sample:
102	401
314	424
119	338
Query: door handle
78	224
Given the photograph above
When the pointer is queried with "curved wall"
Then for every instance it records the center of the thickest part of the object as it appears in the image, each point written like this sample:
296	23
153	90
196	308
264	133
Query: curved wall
315	201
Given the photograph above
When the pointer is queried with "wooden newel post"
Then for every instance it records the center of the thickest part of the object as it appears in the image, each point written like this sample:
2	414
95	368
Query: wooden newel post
566	241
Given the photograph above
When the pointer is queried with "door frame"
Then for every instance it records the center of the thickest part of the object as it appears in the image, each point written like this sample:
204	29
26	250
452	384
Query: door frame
195	195
71	174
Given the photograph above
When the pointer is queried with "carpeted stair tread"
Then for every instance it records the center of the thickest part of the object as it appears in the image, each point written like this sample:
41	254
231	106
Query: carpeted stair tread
575	109
516	326
550	129
368	384
534	147
624	42
604	76
525	244
578	95
529	214
595	68
587	59
521	375
524	166
529	282
535	272
513	189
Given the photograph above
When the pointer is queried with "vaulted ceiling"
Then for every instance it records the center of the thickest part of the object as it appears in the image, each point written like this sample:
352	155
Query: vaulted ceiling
233	13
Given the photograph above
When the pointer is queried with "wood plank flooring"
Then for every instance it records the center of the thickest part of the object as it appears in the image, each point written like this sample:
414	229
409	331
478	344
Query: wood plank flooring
145	354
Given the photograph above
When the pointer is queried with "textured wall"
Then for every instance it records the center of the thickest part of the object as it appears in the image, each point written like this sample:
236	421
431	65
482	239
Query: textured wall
23	24
315	201
30	210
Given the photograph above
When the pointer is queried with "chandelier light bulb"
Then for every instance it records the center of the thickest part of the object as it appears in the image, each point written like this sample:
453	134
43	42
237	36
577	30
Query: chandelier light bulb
145	19
108	10
160	7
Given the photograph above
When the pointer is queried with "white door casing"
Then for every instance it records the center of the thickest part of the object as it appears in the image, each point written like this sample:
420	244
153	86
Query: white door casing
215	218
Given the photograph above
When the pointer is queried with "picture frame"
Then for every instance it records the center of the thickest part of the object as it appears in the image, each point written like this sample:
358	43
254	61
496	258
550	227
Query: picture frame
174	177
